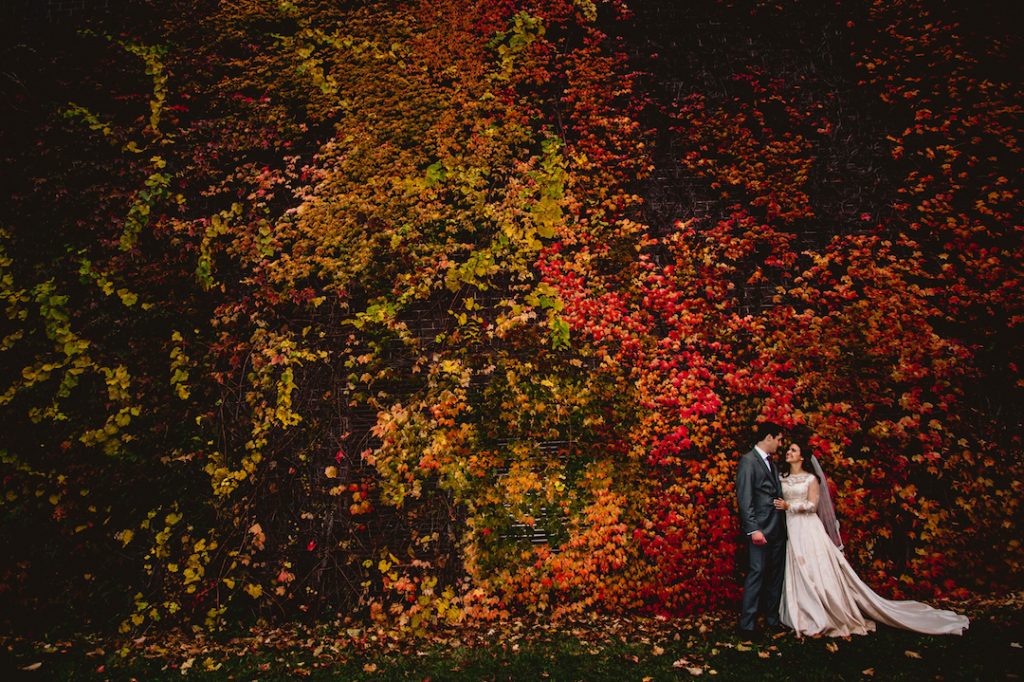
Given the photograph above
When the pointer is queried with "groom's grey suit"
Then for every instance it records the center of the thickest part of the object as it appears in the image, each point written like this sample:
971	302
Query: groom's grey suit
757	486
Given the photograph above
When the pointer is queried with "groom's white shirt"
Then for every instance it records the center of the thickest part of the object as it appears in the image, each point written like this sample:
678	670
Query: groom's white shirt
764	457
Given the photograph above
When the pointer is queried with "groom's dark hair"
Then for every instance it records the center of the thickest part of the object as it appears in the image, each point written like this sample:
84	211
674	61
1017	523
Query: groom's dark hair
765	429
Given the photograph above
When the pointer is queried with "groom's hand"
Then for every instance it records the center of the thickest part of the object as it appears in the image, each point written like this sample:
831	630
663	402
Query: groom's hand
758	538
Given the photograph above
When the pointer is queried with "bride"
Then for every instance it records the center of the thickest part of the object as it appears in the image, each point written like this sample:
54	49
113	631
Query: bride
821	593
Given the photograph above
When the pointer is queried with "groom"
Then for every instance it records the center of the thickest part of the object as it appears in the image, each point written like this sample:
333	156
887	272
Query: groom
757	487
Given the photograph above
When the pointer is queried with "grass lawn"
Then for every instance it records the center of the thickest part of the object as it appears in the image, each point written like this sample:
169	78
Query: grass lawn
616	649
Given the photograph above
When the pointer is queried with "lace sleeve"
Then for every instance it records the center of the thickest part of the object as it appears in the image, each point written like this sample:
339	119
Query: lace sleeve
810	505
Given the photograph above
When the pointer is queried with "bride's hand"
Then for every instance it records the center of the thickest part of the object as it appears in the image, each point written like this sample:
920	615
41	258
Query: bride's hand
781	504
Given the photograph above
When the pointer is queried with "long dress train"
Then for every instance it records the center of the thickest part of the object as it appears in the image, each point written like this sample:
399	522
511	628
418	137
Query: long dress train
822	594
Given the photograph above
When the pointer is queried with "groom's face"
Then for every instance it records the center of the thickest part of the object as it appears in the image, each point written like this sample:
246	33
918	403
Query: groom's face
772	443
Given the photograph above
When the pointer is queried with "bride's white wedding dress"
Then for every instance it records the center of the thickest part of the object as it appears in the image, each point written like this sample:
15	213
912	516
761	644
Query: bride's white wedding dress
822	595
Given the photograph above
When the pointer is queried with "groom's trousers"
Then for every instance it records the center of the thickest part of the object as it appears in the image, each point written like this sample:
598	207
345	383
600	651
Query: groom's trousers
762	589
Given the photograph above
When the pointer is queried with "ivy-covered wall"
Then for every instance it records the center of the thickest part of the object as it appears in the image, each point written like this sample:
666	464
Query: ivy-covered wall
432	311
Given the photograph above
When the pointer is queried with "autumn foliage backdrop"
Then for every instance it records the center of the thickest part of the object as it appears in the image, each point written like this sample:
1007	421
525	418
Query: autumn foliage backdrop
318	308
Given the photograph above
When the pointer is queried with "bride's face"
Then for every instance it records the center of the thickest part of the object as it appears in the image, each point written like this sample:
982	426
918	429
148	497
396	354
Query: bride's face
793	454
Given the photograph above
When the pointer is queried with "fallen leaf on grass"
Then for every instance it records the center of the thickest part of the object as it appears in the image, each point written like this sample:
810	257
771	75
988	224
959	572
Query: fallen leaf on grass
33	666
685	664
763	654
868	672
743	647
832	647
911	654
370	667
1015	645
657	650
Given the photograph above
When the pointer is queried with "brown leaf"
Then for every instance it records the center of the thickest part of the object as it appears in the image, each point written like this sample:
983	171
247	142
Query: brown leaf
911	654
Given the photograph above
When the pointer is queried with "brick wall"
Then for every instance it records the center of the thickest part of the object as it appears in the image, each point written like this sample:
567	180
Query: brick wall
696	47
54	10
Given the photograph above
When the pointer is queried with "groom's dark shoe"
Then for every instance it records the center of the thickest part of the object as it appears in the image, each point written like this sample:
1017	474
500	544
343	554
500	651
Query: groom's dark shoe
748	635
776	629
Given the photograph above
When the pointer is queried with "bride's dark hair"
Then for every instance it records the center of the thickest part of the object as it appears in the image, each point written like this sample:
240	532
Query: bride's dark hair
805	456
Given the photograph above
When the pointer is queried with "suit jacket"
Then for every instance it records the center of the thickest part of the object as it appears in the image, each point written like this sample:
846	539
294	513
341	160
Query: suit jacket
756	490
